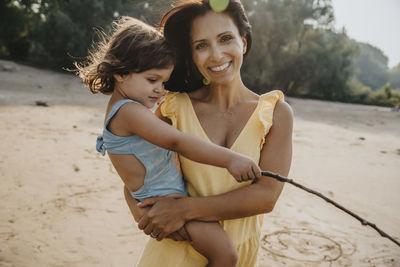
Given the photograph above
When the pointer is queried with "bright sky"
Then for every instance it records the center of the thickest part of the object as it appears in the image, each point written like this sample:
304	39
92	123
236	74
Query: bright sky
374	21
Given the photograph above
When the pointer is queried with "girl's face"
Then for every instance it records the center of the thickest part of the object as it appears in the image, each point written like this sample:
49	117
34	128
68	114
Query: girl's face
217	47
146	87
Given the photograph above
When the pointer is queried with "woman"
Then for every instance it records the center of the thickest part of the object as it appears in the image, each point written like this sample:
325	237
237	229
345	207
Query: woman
218	107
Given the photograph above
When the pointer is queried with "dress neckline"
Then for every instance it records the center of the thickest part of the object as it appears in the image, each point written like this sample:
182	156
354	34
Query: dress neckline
204	132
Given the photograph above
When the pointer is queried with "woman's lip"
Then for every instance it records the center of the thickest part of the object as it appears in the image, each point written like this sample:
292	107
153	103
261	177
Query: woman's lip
221	68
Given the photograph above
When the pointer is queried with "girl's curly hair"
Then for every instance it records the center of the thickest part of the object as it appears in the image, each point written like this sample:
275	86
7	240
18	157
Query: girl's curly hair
134	46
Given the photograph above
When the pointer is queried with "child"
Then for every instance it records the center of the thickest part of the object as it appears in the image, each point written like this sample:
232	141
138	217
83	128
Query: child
132	67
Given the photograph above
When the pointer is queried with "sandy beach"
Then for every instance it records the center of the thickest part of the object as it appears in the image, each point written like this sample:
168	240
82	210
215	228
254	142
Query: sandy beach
62	202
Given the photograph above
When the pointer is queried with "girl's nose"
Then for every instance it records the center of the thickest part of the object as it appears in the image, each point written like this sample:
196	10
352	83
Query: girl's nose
159	89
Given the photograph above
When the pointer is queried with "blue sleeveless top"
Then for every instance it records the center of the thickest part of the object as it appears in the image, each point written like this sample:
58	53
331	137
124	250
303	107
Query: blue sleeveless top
163	174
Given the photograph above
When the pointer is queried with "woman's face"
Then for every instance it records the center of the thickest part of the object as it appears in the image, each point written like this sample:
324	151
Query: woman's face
217	47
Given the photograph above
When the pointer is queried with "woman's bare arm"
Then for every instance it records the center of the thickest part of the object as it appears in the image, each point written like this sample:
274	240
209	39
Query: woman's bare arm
167	215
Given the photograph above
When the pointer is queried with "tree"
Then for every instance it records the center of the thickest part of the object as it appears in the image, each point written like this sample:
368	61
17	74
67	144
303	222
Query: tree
395	76
371	66
15	27
297	50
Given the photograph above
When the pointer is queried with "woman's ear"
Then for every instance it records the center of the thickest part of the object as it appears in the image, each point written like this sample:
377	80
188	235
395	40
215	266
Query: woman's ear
244	40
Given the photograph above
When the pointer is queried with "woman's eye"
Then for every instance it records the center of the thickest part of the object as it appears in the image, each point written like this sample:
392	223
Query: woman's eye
200	46
152	80
226	38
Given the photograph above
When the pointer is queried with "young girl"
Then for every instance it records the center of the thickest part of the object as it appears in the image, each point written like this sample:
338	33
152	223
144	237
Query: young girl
132	66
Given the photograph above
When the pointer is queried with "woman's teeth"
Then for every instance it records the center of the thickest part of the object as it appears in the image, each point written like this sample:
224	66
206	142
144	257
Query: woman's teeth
220	68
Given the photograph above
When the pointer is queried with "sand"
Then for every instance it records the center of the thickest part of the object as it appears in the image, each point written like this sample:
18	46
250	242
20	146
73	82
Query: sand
62	202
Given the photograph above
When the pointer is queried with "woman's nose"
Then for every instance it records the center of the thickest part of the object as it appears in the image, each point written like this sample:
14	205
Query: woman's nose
215	52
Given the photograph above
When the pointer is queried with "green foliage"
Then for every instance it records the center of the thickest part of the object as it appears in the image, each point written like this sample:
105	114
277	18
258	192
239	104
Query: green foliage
295	47
54	33
297	51
14	30
395	76
385	96
330	54
359	93
371	66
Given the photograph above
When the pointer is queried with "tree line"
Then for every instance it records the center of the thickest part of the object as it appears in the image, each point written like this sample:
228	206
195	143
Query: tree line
295	45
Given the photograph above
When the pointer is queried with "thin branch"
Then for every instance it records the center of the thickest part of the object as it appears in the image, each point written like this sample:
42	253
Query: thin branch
363	221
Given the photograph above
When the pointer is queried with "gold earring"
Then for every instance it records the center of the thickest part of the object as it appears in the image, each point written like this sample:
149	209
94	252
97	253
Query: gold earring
206	81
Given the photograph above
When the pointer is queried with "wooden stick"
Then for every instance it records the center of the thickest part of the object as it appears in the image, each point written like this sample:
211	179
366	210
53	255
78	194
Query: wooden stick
363	221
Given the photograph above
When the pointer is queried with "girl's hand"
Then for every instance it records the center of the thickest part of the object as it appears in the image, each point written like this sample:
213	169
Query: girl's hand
244	168
165	217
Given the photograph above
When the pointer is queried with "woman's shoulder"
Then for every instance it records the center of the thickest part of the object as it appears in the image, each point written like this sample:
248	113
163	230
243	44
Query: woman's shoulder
173	104
174	96
274	96
274	107
282	111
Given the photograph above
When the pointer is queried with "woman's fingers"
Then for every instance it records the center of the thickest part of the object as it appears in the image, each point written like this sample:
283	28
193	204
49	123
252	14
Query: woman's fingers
180	235
162	235
143	222
174	236
182	232
148	202
148	229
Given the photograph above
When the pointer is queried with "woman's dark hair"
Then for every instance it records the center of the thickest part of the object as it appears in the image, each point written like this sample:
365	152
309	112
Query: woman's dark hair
133	46
176	25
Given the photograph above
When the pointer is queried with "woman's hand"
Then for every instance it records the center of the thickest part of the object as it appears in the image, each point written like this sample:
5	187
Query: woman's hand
166	216
180	235
243	168
139	209
136	210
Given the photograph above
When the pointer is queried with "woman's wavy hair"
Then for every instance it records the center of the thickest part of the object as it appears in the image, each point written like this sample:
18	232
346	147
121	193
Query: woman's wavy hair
133	46
176	25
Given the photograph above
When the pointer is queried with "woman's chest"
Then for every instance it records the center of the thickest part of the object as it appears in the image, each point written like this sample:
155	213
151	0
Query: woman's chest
224	127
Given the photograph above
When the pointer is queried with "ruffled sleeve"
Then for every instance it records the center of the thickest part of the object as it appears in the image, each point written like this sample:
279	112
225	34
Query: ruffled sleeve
169	108
266	110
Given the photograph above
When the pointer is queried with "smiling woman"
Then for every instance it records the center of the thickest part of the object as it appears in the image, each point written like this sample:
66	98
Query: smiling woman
217	51
211	46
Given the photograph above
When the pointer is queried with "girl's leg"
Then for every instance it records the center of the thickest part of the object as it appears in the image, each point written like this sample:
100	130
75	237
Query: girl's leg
209	239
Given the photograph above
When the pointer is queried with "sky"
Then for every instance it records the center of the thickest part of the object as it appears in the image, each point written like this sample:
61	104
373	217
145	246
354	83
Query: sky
372	21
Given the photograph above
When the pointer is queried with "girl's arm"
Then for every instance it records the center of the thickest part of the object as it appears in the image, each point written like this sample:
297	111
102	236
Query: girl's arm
137	119
167	215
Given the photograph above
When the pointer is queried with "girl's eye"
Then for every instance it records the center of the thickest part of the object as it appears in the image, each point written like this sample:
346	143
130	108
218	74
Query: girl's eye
226	38
200	46
152	80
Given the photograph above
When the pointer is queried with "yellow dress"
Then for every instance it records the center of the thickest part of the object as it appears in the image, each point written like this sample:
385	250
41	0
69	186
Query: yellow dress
205	180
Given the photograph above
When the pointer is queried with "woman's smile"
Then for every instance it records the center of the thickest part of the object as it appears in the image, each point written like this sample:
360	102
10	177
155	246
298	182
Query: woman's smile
221	68
217	51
